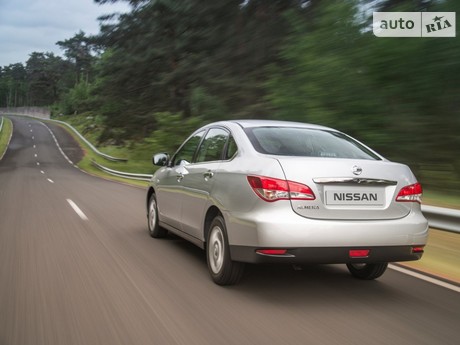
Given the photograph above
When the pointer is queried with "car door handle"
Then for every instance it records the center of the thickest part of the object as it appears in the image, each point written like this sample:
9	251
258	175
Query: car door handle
179	177
208	174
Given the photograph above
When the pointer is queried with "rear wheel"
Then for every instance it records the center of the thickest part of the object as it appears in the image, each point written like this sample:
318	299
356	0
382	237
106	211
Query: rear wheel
367	271
223	270
154	228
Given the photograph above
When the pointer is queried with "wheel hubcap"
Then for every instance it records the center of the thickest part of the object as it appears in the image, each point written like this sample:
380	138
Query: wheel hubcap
216	249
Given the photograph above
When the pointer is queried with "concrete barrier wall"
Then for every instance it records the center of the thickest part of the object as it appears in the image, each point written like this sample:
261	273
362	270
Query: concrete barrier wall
40	112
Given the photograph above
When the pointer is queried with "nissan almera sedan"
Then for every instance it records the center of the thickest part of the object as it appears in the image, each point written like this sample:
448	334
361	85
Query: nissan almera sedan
254	191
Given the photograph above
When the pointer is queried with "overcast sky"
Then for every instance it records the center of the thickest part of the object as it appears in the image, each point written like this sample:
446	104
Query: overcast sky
28	26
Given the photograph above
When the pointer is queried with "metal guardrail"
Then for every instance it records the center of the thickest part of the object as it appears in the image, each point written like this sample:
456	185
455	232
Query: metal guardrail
1	124
442	218
132	176
92	147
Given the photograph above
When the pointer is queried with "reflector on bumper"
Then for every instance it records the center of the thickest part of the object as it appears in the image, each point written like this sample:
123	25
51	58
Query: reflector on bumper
359	253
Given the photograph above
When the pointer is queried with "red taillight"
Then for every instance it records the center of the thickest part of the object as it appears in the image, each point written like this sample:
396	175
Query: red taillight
272	189
412	193
272	251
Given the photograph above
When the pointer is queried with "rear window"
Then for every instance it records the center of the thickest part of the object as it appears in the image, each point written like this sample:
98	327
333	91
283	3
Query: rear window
305	142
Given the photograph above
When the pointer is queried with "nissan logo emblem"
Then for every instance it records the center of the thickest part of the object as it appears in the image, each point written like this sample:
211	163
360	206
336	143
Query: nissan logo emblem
357	170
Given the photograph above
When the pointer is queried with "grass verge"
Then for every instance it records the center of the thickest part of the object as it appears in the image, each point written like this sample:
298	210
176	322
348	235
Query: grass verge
5	135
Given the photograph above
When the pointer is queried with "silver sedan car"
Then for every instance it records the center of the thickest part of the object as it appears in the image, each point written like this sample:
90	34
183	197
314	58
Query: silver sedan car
255	191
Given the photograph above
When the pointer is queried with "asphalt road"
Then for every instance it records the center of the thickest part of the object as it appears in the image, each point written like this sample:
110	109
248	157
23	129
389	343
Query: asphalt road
90	274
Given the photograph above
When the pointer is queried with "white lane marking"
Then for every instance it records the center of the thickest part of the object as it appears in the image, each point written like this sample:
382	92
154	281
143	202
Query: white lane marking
50	180
57	144
38	163
42	171
35	155
425	278
77	209
35	146
31	131
33	138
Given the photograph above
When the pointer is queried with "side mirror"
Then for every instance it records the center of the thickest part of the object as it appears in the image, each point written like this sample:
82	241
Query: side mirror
160	159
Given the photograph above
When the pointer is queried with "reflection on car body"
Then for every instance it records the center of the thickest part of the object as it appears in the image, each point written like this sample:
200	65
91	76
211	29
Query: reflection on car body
254	191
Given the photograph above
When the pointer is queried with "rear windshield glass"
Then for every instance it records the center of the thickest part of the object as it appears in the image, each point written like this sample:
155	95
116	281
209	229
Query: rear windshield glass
305	142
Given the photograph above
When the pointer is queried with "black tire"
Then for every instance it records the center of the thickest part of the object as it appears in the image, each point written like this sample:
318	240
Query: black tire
223	270
367	271
152	219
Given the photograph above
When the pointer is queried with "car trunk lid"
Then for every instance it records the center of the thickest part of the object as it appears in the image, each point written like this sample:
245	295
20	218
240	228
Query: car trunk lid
349	189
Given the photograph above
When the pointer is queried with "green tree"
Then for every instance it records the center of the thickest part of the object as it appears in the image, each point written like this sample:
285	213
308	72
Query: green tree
396	94
322	76
78	99
419	81
157	55
13	86
45	74
78	50
191	57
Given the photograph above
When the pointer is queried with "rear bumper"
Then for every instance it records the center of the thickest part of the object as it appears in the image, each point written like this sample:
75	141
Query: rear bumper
279	227
327	255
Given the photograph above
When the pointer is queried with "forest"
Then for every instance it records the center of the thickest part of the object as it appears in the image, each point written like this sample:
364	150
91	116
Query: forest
166	67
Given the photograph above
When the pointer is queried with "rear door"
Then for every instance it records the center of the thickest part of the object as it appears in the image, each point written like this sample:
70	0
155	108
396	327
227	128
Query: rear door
199	181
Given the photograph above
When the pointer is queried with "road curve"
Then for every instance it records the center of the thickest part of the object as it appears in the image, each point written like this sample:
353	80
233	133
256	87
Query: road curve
77	267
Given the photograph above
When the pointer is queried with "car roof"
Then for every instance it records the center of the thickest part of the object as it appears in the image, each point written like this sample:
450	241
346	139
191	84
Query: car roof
275	123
